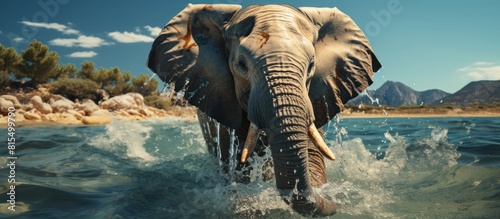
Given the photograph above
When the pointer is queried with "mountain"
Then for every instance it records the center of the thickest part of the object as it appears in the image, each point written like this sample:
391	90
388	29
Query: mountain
397	94
482	92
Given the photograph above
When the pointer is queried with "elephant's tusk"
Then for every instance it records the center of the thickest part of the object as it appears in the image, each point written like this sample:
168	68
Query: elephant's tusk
252	136
318	141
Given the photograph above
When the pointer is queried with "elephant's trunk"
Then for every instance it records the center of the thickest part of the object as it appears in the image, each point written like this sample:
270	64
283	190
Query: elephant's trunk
287	120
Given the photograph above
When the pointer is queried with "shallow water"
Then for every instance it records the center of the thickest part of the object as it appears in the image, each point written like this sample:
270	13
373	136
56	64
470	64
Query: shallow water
385	168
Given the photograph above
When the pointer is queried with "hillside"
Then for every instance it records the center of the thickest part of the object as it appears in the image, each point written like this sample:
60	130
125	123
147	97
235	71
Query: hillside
397	94
477	92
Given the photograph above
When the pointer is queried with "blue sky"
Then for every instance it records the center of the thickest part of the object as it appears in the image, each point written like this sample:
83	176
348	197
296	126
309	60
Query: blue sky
425	44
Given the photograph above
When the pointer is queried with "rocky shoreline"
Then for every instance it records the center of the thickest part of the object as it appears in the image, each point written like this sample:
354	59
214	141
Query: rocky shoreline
60	111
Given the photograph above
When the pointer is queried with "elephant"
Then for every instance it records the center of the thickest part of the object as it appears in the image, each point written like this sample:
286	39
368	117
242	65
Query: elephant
268	70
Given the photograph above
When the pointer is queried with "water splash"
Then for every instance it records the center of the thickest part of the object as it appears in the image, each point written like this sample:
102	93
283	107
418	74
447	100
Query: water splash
363	182
149	79
217	140
165	88
373	100
125	137
233	151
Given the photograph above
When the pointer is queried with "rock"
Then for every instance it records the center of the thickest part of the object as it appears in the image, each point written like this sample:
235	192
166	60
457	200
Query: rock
147	112
30	115
28	107
61	105
104	94
125	101
100	112
39	105
5	105
67	118
20	117
57	97
49	117
133	112
88	106
96	120
14	100
76	114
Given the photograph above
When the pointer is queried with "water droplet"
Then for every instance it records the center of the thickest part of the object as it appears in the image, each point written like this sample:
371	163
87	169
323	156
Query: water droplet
149	80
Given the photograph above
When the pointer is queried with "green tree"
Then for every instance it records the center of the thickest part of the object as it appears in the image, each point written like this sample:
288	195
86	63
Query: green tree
87	71
119	82
9	59
140	86
38	63
64	71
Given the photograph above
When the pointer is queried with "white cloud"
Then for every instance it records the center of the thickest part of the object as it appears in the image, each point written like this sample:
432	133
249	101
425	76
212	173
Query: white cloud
129	37
153	31
482	71
81	41
18	39
84	54
55	26
483	63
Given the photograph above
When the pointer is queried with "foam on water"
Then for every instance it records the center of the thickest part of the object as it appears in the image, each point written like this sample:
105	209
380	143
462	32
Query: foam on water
183	180
126	137
385	168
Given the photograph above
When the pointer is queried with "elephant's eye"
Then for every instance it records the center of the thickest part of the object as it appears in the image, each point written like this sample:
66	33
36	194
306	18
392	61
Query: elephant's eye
311	65
242	65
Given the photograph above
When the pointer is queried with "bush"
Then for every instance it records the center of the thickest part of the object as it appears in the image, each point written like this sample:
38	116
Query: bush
4	79
158	102
77	89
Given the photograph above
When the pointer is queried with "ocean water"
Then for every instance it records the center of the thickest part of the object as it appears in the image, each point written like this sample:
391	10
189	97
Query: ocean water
385	168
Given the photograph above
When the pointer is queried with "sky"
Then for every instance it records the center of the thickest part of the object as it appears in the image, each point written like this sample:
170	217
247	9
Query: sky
424	44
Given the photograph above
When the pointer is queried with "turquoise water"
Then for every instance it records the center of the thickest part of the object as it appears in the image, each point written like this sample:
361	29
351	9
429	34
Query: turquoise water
385	168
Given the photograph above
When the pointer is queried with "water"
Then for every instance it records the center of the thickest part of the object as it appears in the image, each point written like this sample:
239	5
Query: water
385	168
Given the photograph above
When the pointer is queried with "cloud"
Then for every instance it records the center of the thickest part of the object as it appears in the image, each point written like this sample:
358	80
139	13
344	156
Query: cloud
129	37
55	26
153	31
482	71
18	39
84	54
81	41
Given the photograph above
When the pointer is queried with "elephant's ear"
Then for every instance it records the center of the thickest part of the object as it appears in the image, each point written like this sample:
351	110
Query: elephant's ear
190	52
345	62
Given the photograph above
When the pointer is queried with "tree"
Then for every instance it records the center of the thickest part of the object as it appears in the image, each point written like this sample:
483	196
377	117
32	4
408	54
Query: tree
87	71
118	82
64	71
141	85
37	63
9	59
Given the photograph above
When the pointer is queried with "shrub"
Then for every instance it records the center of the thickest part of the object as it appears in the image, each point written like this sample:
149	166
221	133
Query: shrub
4	79
77	89
158	102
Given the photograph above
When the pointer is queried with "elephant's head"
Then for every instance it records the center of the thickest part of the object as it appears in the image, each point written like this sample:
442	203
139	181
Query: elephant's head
289	70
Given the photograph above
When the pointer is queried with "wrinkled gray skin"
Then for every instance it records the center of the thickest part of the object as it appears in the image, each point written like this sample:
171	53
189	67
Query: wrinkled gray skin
279	67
